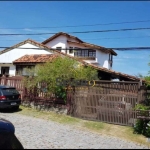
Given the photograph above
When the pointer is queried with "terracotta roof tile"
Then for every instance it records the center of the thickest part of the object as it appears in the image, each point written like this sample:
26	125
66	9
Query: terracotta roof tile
36	58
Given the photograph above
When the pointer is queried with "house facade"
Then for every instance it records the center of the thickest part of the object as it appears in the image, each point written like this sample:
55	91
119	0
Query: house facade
7	56
87	52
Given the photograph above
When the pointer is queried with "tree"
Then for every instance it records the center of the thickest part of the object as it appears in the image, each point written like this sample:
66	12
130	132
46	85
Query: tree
61	67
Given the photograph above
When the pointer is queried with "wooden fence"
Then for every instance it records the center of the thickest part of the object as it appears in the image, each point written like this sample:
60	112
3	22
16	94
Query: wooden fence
107	101
38	95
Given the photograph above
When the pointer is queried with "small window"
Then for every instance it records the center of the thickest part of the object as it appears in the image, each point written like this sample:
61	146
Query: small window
70	50
58	48
110	57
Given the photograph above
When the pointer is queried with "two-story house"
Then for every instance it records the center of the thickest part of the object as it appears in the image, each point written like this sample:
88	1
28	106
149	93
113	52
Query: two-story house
90	53
14	60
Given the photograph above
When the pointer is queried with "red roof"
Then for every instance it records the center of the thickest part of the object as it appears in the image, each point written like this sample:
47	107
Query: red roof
36	58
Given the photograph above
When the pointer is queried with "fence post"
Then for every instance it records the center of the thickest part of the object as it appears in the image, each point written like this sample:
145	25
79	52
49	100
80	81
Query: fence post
5	80
140	89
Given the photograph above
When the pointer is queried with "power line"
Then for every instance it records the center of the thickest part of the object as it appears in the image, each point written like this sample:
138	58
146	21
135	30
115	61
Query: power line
113	30
121	48
96	38
127	22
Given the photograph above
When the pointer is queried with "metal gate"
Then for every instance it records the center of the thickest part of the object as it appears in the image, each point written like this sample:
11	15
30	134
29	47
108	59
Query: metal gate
107	101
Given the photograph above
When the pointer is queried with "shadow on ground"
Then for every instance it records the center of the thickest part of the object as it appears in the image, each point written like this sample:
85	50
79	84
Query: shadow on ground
10	110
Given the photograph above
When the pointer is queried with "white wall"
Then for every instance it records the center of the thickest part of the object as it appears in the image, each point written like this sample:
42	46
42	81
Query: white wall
7	58
16	53
103	58
61	41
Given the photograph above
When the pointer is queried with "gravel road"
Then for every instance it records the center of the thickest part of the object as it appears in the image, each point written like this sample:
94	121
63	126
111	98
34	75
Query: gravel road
37	133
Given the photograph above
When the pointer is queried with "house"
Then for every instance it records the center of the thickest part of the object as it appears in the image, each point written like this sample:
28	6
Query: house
27	47
73	46
28	53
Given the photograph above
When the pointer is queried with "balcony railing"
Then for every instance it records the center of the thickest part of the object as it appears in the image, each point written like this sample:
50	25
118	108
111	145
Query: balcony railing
85	57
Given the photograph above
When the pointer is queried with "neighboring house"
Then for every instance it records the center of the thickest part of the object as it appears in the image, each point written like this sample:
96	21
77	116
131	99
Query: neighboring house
30	61
7	56
90	53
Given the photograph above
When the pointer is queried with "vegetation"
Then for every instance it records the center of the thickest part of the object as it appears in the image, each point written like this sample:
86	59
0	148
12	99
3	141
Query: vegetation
62	68
142	126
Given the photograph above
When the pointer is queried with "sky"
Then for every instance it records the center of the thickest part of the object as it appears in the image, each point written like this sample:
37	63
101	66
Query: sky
72	16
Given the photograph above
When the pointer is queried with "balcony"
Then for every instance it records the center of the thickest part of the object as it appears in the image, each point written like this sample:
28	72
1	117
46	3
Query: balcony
85	57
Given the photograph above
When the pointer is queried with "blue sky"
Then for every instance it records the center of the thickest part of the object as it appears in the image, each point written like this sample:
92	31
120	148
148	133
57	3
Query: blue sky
56	14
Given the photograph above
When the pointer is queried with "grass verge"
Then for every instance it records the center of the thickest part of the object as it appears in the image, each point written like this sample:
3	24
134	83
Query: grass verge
123	132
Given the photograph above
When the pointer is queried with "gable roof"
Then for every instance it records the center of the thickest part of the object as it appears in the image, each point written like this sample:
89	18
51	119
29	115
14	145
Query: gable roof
42	46
35	58
80	42
58	34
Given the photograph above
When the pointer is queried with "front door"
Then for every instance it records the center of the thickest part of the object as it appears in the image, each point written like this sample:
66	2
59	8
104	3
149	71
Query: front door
5	70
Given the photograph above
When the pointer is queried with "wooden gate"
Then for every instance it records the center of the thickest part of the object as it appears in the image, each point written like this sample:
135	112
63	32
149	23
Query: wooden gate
107	101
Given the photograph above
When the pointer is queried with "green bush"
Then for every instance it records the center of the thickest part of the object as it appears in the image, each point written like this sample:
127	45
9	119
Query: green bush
142	126
147	130
138	127
60	92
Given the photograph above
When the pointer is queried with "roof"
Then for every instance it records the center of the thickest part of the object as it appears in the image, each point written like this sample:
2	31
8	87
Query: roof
58	34
24	42
130	77
36	58
79	42
95	46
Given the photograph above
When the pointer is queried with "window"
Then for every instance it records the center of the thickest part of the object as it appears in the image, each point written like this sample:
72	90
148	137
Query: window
110	57
92	53
58	48
24	70
5	70
70	50
84	53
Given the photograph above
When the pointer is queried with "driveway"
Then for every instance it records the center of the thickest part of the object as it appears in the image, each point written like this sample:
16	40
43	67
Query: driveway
43	134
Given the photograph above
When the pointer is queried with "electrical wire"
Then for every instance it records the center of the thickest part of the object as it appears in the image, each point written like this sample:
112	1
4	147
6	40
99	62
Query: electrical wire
96	38
113	30
121	48
126	22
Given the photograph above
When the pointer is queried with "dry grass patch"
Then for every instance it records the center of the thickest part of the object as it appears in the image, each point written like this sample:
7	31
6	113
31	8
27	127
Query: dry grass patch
123	132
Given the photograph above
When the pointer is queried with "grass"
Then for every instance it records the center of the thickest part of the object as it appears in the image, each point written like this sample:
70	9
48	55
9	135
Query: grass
123	132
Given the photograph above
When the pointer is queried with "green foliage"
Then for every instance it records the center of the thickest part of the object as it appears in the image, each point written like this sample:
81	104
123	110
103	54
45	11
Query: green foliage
147	131
147	79
142	126
60	92
138	127
141	107
60	67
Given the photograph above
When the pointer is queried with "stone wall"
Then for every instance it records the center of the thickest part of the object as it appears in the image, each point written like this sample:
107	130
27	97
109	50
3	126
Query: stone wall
60	109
